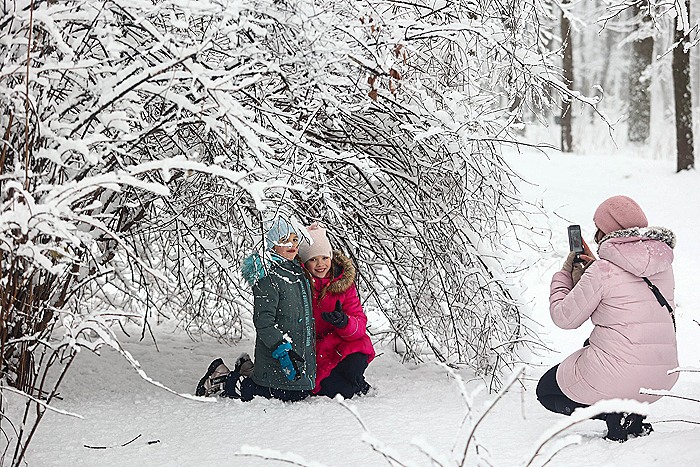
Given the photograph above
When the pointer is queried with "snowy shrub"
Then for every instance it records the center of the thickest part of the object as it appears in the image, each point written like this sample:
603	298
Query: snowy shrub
390	117
393	120
95	98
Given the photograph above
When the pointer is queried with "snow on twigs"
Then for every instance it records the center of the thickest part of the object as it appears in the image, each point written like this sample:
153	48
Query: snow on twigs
272	455
38	402
541	456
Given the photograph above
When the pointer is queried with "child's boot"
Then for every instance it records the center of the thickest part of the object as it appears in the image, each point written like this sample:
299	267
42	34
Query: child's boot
244	365
212	381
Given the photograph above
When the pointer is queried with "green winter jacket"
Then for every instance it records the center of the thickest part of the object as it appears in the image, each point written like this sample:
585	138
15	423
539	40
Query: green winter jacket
282	312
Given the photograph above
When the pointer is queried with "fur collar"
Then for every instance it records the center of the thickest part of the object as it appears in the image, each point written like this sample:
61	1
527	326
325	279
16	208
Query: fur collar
344	273
652	233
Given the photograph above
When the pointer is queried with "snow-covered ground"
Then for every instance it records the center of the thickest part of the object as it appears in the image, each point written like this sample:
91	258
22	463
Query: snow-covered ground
413	408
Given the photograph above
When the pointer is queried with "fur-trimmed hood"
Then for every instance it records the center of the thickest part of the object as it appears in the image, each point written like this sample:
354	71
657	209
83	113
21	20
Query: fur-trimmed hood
654	233
640	251
344	273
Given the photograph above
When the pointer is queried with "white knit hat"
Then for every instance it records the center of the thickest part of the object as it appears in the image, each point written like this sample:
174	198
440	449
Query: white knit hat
320	246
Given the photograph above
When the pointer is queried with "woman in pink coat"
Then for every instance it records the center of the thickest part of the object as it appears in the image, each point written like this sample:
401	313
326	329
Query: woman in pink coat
343	348
633	343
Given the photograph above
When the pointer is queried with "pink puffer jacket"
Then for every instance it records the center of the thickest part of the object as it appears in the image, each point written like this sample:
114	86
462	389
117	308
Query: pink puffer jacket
633	344
333	344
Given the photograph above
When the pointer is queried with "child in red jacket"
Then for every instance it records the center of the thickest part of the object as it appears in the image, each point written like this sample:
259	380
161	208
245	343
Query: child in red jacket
343	348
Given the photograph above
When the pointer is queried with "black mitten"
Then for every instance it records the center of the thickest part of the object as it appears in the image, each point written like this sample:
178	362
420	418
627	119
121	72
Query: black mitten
337	317
296	360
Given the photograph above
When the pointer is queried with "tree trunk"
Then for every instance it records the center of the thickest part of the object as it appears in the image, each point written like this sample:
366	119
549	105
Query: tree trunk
683	98
639	101
568	67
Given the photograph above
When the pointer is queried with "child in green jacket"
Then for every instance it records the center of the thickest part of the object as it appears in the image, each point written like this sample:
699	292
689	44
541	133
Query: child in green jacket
285	358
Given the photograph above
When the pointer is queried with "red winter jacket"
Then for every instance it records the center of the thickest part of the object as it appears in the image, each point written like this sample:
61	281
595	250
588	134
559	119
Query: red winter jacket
333	344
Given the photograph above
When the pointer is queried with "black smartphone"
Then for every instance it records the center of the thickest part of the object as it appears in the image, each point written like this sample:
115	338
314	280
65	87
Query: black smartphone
575	241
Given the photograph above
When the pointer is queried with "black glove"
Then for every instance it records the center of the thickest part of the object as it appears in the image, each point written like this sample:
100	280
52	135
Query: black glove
337	317
288	360
296	360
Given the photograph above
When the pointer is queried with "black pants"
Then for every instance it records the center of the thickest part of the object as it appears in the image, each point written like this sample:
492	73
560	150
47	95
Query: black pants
347	378
551	397
249	389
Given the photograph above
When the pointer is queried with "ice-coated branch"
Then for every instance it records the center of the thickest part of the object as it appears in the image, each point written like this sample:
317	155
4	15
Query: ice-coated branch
272	455
39	402
377	446
512	379
664	393
539	456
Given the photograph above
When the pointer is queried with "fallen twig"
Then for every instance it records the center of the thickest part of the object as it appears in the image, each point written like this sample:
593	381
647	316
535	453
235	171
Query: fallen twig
154	441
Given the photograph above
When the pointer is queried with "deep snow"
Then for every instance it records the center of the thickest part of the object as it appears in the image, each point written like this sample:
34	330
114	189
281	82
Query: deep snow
412	407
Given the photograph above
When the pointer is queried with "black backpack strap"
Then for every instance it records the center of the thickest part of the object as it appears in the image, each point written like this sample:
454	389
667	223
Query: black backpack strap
661	299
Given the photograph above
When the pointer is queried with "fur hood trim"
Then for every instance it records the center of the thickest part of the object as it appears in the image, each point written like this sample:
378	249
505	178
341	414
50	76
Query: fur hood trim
344	273
652	232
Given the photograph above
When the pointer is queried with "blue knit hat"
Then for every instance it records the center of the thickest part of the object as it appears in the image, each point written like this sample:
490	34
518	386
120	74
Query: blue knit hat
277	229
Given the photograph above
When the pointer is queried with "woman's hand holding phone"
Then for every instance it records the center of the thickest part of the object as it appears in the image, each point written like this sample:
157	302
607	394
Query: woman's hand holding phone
576	263
586	259
587	251
587	256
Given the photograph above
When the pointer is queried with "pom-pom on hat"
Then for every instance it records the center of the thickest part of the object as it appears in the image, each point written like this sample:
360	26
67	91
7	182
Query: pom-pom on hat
277	229
619	213
320	246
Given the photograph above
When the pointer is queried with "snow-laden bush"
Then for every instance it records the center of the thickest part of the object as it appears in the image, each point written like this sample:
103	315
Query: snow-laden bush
392	116
94	99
